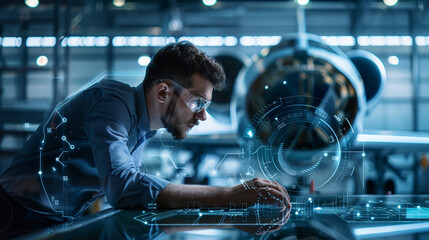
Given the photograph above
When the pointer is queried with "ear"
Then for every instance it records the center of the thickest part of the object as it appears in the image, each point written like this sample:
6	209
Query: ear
162	92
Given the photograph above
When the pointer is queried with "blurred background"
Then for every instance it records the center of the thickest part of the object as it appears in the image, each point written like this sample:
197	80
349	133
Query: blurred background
51	49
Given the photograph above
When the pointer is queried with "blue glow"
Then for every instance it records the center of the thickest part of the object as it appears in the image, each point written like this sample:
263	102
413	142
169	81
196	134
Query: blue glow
144	60
260	40
417	213
211	41
383	230
392	139
209	2
156	41
385	40
339	40
11	42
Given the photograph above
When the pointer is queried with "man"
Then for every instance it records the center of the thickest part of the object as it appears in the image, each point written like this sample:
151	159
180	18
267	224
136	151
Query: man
90	146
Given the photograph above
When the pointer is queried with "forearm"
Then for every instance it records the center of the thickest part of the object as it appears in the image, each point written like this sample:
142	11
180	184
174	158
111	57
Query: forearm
178	196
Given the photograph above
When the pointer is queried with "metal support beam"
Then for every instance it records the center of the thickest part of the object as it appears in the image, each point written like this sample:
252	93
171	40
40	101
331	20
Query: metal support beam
109	57
301	19
55	95
110	53
2	65
357	14
415	72
415	77
67	23
421	13
23	77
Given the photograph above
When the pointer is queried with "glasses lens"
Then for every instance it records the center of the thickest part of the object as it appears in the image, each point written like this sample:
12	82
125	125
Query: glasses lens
194	103
197	104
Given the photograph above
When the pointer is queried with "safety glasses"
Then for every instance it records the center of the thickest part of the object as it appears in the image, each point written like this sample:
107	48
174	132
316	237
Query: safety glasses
195	103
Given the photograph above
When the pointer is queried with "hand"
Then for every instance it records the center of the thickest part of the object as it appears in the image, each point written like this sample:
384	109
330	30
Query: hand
261	191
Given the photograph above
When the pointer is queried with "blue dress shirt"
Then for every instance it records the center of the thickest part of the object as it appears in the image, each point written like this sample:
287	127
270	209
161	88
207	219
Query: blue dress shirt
89	146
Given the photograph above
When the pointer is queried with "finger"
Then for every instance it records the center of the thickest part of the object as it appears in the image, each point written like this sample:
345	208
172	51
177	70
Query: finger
284	190
283	197
271	184
278	196
278	186
259	182
286	218
289	205
270	199
281	220
286	201
275	228
267	229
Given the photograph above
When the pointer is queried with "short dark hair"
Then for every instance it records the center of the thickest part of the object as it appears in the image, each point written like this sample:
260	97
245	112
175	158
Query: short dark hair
179	61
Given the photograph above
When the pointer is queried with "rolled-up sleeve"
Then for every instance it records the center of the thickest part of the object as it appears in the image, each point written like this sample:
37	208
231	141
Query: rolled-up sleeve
107	126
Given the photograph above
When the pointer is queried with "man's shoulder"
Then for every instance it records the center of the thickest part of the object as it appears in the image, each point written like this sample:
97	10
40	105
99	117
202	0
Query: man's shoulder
112	89
114	86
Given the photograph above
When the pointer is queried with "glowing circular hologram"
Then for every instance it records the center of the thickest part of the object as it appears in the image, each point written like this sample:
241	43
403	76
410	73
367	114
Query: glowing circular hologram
294	143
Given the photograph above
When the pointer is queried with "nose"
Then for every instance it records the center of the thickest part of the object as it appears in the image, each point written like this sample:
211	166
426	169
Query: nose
202	116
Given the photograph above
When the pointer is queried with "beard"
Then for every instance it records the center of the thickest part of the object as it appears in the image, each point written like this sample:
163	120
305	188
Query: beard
170	121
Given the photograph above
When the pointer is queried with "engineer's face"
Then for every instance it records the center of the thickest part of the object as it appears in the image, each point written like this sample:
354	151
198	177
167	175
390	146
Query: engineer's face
178	118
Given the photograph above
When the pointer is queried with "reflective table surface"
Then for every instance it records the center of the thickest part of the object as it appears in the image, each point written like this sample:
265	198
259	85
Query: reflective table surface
341	216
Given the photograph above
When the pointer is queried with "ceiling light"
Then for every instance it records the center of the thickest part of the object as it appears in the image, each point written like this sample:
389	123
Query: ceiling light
209	2
393	60
390	3
144	60
119	3
302	2
42	61
32	3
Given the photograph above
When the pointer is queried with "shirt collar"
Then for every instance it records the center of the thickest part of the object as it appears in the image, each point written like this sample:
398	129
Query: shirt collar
143	121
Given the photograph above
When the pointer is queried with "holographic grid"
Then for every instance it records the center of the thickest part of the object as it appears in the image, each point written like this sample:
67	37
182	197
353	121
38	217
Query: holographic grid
240	216
169	165
55	129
